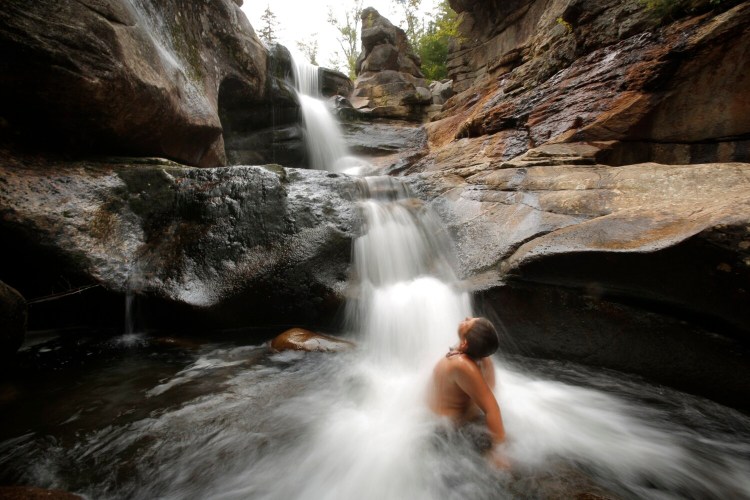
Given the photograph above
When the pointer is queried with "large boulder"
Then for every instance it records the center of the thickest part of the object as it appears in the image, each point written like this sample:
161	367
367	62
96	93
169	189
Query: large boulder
120	77
13	313
389	81
223	247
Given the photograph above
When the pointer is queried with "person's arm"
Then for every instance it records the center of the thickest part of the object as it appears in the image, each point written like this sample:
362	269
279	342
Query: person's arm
469	378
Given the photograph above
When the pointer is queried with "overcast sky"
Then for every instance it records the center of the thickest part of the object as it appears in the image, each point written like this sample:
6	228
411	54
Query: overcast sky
307	19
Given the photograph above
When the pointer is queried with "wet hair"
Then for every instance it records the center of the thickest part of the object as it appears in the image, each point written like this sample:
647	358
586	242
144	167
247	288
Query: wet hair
481	339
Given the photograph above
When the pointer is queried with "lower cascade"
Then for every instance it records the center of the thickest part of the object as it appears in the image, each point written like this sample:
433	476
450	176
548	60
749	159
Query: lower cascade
171	418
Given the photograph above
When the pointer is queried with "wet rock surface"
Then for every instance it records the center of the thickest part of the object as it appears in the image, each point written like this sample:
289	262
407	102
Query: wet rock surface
225	246
135	78
299	339
393	144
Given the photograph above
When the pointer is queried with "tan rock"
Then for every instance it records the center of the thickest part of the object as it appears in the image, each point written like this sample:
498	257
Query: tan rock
299	339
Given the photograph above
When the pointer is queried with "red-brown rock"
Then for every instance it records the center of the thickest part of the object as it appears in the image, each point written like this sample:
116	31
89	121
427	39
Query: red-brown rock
32	493
299	339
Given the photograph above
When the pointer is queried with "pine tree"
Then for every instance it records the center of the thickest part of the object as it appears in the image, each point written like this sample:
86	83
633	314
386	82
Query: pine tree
268	28
432	45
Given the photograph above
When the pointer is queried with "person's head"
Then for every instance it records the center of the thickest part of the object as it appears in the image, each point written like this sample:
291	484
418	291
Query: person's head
478	337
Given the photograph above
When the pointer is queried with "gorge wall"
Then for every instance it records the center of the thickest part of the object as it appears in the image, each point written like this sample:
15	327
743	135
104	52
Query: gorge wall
653	89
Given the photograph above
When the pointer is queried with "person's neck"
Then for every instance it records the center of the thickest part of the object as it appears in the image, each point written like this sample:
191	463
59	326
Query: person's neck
455	351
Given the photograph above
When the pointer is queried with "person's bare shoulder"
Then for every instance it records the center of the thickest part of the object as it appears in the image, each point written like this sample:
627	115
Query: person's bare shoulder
461	364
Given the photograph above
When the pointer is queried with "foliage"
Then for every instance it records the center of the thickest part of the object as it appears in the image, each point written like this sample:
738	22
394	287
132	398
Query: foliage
348	36
432	45
309	48
414	26
562	22
268	28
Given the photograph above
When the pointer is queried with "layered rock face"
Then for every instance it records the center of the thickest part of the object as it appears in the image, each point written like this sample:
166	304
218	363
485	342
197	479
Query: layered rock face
217	247
553	71
121	77
389	81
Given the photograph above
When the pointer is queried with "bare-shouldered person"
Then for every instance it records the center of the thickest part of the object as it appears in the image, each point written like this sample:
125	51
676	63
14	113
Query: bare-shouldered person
462	381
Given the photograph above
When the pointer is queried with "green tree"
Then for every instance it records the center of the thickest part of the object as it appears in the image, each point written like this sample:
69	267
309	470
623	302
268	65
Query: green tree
309	48
432	45
268	26
348	35
414	25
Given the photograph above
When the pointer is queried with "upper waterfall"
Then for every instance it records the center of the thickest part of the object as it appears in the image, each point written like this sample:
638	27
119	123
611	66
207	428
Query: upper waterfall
325	144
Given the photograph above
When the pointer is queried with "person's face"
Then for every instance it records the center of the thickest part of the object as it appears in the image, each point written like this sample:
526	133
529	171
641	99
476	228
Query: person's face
464	327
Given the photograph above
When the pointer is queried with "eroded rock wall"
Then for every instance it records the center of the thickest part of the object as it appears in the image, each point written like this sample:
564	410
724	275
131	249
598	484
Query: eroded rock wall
552	71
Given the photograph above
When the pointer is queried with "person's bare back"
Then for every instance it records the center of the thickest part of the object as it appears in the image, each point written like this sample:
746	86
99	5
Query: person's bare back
446	396
461	385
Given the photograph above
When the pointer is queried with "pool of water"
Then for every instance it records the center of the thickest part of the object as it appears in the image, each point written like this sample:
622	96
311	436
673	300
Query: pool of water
147	415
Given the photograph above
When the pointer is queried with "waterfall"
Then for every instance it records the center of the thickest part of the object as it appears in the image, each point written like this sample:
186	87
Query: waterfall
408	304
325	145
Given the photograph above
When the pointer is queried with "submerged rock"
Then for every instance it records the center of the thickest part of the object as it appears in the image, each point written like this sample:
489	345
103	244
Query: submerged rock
299	339
33	493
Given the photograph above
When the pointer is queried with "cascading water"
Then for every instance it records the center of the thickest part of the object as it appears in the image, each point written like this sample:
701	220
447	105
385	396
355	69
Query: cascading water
230	421
325	144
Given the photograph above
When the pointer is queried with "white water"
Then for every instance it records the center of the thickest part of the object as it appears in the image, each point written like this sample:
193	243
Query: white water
325	144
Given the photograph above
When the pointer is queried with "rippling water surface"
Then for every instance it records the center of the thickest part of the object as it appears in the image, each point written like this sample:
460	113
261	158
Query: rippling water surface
164	418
